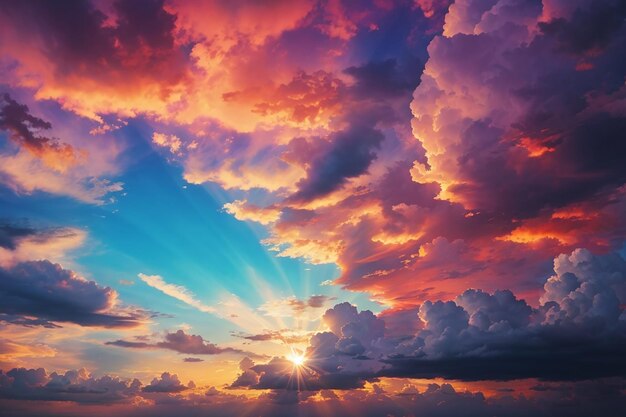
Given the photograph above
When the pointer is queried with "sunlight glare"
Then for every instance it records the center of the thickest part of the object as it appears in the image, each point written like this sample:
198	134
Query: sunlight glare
298	359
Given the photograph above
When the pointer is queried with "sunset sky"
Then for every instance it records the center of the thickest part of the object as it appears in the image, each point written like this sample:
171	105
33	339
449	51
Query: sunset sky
312	208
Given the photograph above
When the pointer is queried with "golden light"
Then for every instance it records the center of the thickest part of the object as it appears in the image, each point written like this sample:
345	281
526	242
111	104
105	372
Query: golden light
297	358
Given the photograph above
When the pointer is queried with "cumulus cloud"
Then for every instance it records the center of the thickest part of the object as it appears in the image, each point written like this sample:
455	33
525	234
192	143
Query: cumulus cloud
165	383
577	333
77	389
75	385
546	131
170	142
502	154
66	66
48	292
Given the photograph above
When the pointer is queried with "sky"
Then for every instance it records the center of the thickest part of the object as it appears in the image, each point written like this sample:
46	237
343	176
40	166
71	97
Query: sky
312	208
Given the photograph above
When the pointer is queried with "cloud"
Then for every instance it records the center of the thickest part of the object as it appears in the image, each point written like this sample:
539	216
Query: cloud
348	155
500	149
42	162
545	142
21	242
170	142
11	234
66	67
9	350
166	383
287	336
577	333
75	385
169	396
180	342
177	291
23	129
192	344
287	307
48	292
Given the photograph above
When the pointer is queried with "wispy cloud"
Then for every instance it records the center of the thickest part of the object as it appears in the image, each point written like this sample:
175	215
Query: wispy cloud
177	291
231	307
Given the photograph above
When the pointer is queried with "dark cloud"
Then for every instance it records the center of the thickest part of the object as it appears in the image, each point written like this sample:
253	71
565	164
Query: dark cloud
193	344
78	42
382	79
12	233
180	342
166	383
577	333
76	388
285	335
27	322
75	385
588	29
24	129
129	344
318	301
193	360
560	145
348	155
48	292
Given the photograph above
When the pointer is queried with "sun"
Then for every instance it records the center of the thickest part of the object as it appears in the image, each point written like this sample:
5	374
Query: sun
298	359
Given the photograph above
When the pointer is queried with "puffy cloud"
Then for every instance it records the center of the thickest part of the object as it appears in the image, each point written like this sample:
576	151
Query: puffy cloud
166	383
87	75
501	308
170	142
586	287
344	321
576	334
127	399
75	385
462	129
46	291
484	191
